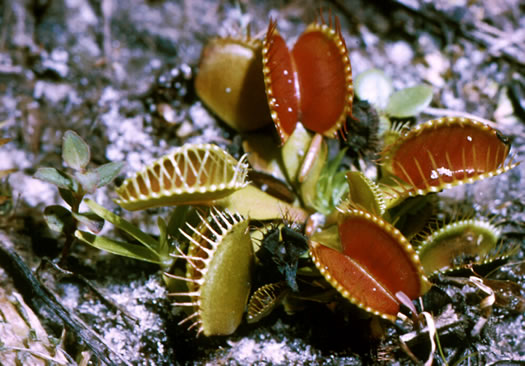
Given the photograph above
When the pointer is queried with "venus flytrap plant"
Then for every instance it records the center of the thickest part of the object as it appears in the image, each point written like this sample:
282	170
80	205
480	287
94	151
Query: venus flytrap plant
241	107
219	270
458	243
413	162
443	153
73	187
359	250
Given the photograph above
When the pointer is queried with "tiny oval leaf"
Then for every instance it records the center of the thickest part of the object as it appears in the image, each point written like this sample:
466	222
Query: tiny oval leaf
59	218
107	172
75	151
56	177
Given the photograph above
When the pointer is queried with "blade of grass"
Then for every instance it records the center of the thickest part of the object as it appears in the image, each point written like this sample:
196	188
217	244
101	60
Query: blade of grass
117	247
164	245
145	239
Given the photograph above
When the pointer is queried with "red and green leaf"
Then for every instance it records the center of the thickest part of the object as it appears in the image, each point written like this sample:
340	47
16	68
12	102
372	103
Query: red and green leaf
445	152
312	83
375	264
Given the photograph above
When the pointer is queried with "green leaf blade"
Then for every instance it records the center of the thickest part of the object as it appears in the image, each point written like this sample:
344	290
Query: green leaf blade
107	172
409	102
148	241
57	178
118	247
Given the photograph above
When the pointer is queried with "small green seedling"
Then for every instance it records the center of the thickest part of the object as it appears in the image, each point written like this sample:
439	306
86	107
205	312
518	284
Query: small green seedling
73	186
